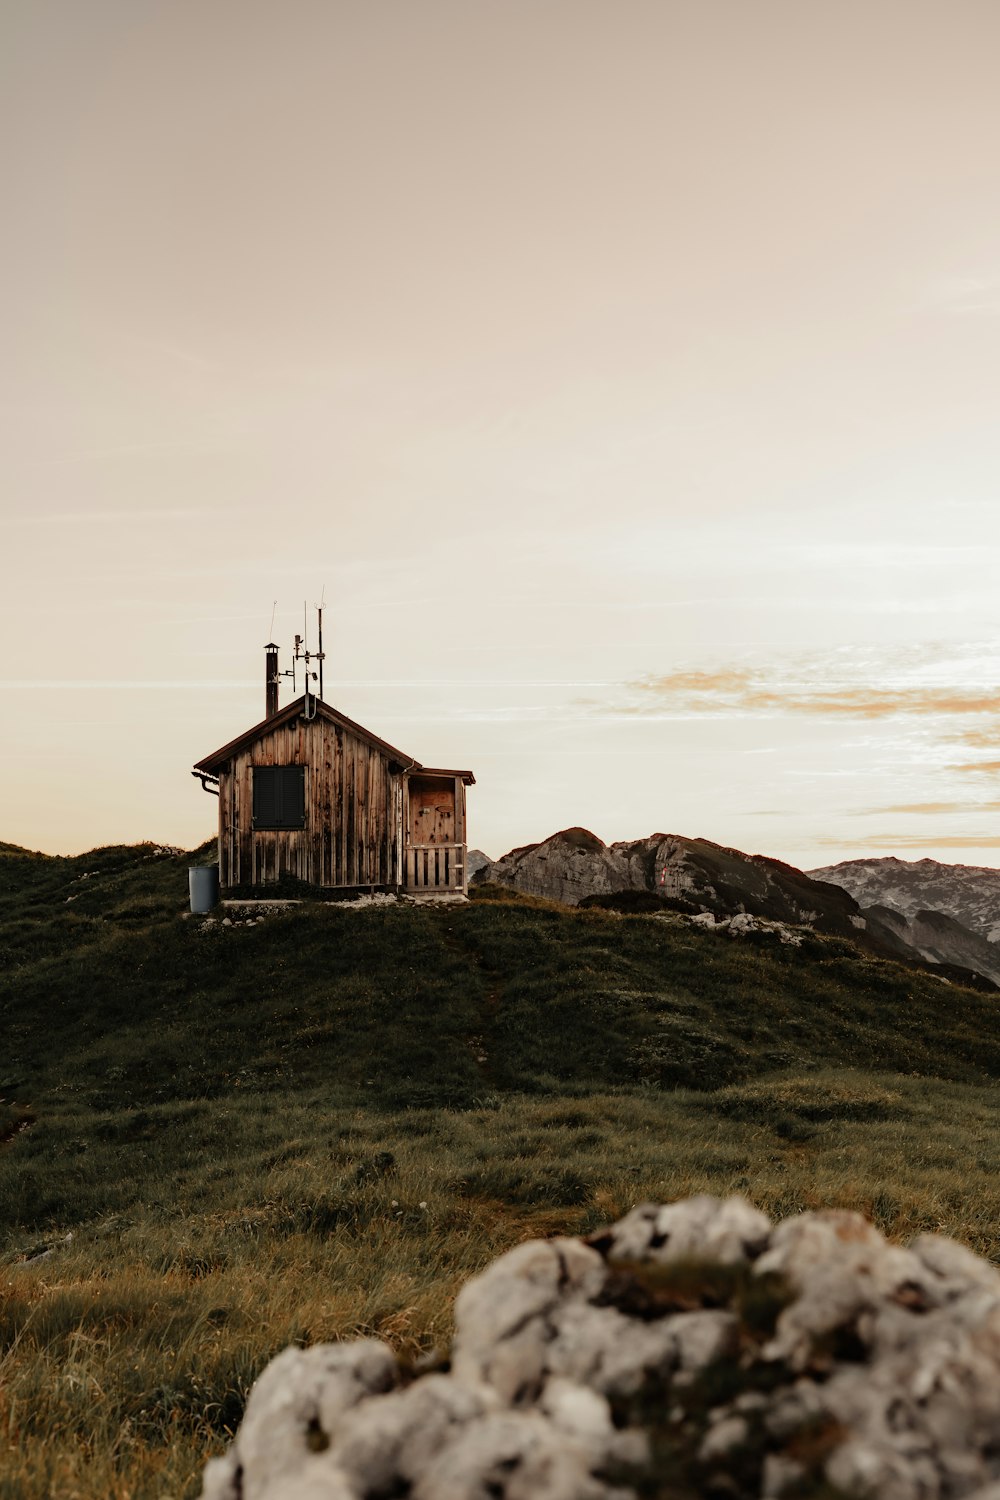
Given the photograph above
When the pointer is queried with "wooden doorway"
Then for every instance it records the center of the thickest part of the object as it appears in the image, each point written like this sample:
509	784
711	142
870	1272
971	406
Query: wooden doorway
435	834
432	810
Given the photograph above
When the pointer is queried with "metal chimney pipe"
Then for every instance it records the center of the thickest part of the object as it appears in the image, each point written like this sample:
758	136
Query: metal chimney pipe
270	680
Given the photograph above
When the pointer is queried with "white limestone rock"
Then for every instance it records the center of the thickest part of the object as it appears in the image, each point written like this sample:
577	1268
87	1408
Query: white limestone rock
704	1337
390	1442
954	1267
631	1237
729	1230
222	1478
841	1267
722	1437
513	1455
882	1376
609	1352
296	1406
503	1318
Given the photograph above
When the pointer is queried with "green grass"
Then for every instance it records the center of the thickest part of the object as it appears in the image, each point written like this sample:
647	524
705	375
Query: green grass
320	1126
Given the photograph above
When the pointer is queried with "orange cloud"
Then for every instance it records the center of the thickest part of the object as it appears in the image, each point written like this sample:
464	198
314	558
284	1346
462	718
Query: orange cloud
730	691
979	739
934	809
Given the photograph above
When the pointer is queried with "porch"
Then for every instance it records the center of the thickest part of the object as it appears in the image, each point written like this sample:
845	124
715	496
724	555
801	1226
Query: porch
434	870
434	843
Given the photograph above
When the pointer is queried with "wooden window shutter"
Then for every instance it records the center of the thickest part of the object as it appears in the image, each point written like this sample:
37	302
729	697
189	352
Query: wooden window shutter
279	797
292	793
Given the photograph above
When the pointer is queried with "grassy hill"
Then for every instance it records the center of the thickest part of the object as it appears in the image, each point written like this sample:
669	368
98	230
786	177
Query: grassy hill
319	1124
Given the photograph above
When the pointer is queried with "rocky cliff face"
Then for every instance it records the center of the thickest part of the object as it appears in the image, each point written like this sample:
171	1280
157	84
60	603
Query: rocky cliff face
574	865
475	860
940	939
691	1349
566	867
970	894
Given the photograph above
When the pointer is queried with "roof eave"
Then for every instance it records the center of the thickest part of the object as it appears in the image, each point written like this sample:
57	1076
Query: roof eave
466	776
220	758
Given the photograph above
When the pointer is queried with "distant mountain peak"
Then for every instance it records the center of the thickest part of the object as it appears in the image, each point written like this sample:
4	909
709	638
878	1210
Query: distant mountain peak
970	894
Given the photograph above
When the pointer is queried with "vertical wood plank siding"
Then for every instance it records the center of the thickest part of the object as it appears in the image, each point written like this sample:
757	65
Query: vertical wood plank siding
353	811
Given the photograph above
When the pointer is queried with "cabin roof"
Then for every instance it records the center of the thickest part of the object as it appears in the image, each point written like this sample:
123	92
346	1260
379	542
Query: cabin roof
466	776
215	762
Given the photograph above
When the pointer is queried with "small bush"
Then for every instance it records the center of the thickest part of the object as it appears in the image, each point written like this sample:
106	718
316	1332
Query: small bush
681	1054
787	1102
638	903
536	1184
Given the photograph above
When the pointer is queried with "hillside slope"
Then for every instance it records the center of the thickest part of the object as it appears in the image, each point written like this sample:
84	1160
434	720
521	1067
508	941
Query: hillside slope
216	1140
112	994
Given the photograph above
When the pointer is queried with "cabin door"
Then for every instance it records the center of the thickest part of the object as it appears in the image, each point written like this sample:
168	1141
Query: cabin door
432	810
434	858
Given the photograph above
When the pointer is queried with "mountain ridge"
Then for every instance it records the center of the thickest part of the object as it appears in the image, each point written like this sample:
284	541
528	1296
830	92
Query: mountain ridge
970	894
696	875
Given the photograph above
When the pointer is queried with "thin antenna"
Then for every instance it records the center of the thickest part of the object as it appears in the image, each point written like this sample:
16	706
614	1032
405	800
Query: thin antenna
319	654
271	632
301	653
305	654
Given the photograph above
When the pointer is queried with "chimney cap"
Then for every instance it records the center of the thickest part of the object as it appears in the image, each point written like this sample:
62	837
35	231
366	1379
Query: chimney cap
270	646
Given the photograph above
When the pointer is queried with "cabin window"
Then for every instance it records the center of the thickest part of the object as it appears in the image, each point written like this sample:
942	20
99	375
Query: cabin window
279	796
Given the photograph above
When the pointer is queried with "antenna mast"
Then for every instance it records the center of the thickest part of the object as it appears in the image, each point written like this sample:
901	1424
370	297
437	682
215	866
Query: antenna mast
301	653
319	653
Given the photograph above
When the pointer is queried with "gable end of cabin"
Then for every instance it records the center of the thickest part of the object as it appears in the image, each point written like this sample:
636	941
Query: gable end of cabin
312	800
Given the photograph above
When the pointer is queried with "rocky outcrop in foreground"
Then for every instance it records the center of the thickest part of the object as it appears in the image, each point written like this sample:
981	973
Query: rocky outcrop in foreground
692	1349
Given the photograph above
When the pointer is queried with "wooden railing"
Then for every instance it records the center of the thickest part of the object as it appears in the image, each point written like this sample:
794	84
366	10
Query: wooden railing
435	867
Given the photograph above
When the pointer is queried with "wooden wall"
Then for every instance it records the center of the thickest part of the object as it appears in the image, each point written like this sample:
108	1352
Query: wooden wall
354	814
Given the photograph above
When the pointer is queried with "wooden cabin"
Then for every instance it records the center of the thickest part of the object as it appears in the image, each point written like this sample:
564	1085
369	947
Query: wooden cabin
309	793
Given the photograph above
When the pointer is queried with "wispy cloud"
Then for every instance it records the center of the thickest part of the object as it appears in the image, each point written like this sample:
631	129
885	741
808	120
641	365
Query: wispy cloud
172	352
136	516
883	841
124	450
928	809
965	295
979	739
143	684
754	691
932	698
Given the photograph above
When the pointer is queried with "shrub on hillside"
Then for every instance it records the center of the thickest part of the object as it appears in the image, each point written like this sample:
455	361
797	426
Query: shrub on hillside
810	1099
682	1055
639	903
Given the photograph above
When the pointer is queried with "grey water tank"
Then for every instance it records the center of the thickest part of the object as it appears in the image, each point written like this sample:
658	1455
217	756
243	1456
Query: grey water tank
203	883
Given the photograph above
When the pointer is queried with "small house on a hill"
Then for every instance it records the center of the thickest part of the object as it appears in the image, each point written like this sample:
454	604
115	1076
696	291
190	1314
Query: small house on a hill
311	794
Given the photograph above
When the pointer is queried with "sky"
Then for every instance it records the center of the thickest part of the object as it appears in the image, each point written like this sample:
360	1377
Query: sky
621	374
